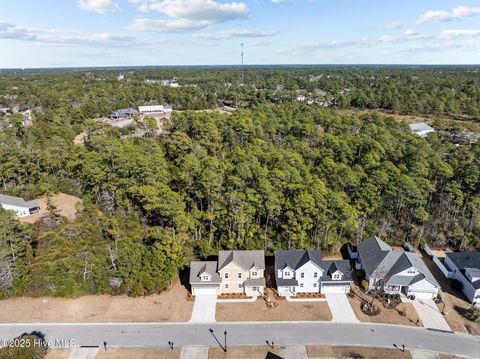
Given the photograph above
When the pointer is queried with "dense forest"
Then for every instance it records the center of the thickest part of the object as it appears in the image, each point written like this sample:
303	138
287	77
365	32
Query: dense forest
273	174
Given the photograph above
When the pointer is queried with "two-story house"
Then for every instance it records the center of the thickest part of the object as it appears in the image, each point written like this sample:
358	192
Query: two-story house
234	272
304	271
466	269
396	271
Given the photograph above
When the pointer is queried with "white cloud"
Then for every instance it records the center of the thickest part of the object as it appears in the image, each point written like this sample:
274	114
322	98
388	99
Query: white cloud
261	43
11	31
100	6
278	1
228	34
448	34
187	15
394	25
457	13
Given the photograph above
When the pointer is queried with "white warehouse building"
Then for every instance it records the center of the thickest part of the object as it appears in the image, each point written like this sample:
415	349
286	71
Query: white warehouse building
21	207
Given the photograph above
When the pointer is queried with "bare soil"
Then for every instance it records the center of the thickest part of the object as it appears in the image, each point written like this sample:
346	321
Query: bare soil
242	353
387	316
169	306
154	353
282	310
65	206
320	351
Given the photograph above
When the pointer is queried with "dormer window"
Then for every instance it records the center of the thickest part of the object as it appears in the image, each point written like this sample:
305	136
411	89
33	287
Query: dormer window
205	277
287	274
411	271
254	274
336	276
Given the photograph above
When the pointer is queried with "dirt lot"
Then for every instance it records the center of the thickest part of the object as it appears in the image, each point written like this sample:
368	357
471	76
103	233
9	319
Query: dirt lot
242	353
388	316
170	306
259	311
65	205
319	351
455	302
139	354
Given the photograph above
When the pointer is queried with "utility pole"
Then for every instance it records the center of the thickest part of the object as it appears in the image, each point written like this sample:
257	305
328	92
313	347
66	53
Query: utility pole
241	54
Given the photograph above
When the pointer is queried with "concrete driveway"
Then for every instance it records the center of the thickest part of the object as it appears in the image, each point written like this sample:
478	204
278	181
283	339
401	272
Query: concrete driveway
429	314
204	308
340	308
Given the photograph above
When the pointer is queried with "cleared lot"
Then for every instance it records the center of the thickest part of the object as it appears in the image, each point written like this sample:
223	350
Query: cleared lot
170	306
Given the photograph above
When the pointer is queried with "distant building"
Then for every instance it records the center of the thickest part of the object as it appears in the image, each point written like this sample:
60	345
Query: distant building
21	207
124	113
421	129
150	110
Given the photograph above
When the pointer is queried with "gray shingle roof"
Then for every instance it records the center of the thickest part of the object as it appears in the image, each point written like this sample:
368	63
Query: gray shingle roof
331	266
378	256
282	282
17	201
372	252
465	260
245	259
295	258
198	268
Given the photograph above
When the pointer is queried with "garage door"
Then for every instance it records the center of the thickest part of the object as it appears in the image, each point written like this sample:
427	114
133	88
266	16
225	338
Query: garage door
422	295
335	289
204	291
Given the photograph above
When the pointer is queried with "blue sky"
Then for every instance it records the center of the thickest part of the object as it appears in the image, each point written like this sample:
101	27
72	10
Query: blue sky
58	33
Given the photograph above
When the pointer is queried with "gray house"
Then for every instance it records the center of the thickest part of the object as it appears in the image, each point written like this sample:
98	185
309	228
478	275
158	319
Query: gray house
204	278
399	272
21	207
304	271
466	269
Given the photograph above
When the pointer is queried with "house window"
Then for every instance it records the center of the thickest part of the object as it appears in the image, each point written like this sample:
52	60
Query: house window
287	274
226	285
254	274
315	274
411	271
255	289
205	277
302	275
301	285
226	275
239	275
239	285
336	276
314	285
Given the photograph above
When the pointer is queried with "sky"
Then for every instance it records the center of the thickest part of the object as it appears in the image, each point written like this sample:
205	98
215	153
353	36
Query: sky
71	33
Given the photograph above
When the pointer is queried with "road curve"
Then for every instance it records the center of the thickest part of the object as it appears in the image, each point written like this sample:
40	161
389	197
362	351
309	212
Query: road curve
248	334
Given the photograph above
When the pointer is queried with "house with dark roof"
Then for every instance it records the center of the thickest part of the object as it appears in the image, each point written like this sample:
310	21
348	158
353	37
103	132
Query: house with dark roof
124	113
21	207
304	271
466	269
396	271
234	272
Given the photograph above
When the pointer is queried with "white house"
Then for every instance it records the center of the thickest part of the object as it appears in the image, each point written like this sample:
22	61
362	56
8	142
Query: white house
466	269
304	271
397	271
421	129
21	207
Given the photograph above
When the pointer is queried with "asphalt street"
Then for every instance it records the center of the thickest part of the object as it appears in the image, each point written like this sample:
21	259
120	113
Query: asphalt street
246	334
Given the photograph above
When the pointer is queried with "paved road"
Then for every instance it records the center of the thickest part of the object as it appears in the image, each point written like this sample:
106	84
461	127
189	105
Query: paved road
244	334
